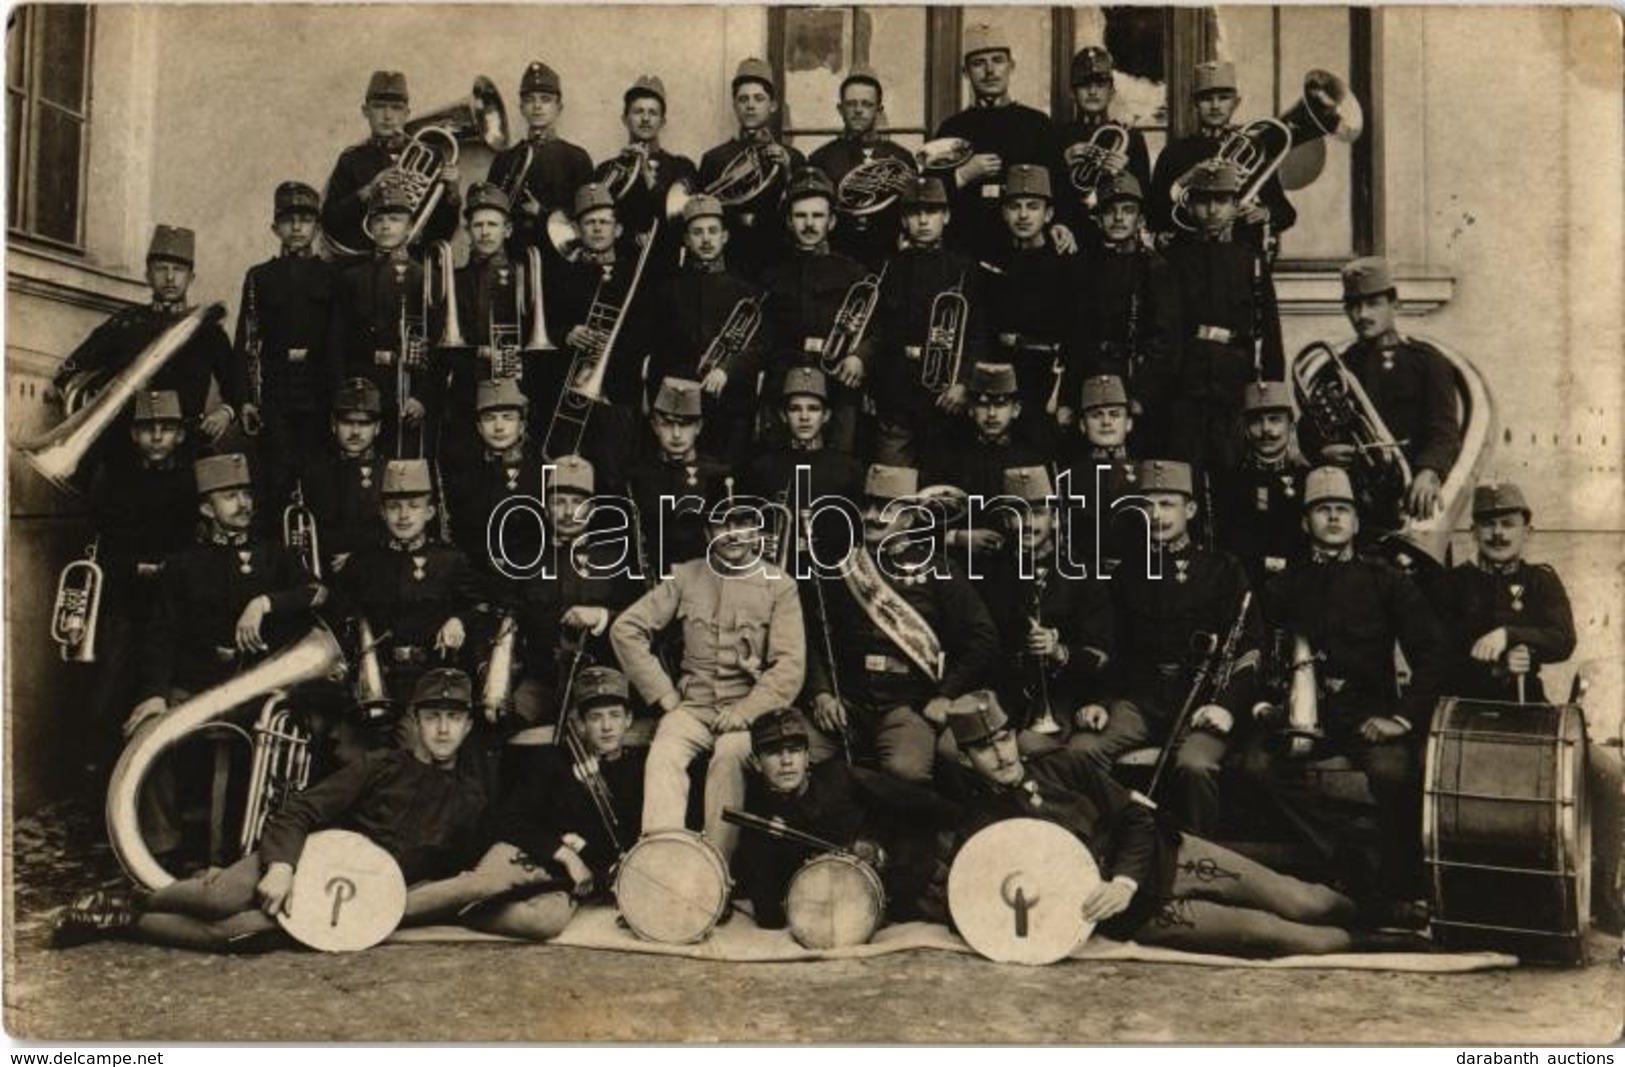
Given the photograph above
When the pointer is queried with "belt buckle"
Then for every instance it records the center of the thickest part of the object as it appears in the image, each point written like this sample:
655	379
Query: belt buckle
383	357
404	653
1216	334
876	664
1010	340
224	654
297	355
913	352
992	191
813	345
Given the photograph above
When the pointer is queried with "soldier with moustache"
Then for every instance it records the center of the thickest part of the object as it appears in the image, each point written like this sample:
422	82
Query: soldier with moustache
1161	613
978	451
343	486
912	419
541	174
805	291
753	221
1352	611
868	238
686	315
1507	618
116	343
286	302
1258	504
649	169
674	530
508	464
346	205
1093	87
1003	133
1102	470
1125	320
914	633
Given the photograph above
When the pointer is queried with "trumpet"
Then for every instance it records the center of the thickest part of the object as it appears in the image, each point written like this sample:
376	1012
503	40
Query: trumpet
852	320
1088	158
747	176
299	532
537	340
280	768
735	336
945	339
78	608
873	186
622	172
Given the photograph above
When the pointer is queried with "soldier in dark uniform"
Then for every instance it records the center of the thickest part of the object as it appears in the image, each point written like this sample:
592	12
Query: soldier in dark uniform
685	317
1125	319
869	238
1411	385
977	453
675	531
1029	290
1093	87
114	345
753	219
1351	611
894	682
381	324
1216	99
1258	505
541	174
1102	471
913	418
1003	133
1159	618
649	169
509	463
551	817
342	487
1231	325
354	181
1507	618
282	341
221	603
805	291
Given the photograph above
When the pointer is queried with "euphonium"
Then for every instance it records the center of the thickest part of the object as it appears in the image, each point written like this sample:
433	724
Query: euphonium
537	341
622	172
57	453
737	332
873	186
1088	158
497	685
371	695
747	175
78	608
281	766
418	170
316	655
945	339
299	532
852	320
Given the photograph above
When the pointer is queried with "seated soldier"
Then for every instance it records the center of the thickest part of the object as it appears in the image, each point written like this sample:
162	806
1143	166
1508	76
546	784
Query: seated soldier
508	463
413	803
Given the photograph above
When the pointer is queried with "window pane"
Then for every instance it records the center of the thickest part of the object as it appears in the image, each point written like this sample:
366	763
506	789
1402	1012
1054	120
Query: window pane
896	51
14	149
817	54
56	194
1310	39
16	31
1028	29
822	45
1135	36
62	66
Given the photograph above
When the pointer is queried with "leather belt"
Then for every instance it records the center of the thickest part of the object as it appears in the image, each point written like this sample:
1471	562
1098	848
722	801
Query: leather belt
914	352
1022	343
1217	334
409	654
812	345
383	357
878	663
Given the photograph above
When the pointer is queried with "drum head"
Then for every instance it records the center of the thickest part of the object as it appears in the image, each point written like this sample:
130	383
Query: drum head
1016	891
672	888
834	901
348	894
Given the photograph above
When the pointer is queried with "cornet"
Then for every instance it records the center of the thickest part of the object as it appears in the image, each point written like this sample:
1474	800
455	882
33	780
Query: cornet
945	339
299	532
1088	158
735	336
78	608
852	320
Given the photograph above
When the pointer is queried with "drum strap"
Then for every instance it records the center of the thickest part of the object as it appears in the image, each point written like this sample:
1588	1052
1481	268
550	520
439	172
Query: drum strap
892	615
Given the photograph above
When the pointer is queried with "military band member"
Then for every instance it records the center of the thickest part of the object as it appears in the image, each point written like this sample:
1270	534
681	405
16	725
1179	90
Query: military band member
343	486
354	182
115	344
687	314
869	238
1232	329
975	457
643	113
1103	470
1003	133
1094	86
551	818
1411	385
508	464
492	314
1126	317
743	654
1258	505
1216	99
752	219
1352	611
1160	622
412	802
912	418
805	290
541	174
913	634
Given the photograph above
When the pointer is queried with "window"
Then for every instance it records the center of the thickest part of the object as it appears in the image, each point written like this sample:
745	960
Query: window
48	104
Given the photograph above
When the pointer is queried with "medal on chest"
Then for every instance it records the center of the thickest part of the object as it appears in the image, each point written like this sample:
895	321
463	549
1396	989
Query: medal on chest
1288	490
1516	589
513	477
1261	498
692	474
418	563
365	470
245	561
1388	359
1034	800
1181	566
1128	473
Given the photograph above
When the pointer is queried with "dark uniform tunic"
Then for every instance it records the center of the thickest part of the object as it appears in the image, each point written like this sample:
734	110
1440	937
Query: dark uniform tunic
1083	127
345	496
1526	598
1080	610
557	169
1120	532
870	239
757	237
1179	157
1126	321
1258	515
973	463
547	802
1030	297
365	330
764	865
830	474
344	212
645	201
1017	134
679	535
475	488
805	289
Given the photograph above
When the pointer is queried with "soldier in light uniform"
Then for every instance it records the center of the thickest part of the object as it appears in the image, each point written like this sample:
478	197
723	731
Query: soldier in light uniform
676	469
869	238
343	486
753	220
643	113
1093	86
540	174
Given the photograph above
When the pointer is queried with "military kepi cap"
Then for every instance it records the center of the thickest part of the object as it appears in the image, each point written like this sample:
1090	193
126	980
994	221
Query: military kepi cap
1027	179
860	74
1031	484
679	398
701	206
158	405
390	194
1327	483
295	198
1091	64
985	37
1216	74
1499	498
975	717
572	474
646	85
1124	186
1103	390
483	196
1165	476
924	192
598	685
387	85
443	687
214	473
175	243
591	197
993	379
1367	276
1266	396
809	181
1214	176
496	394
358	396
779	728
539	78
407	477
890	483
805	381
754	70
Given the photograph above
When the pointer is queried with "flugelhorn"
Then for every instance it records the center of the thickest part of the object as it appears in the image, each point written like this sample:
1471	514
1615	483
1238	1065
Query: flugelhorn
299	532
873	186
852	320
944	348
1088	159
57	453
737	332
314	656
78	608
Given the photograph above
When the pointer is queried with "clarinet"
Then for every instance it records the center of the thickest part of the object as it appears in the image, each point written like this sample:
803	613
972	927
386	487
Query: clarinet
829	643
1216	667
1044	722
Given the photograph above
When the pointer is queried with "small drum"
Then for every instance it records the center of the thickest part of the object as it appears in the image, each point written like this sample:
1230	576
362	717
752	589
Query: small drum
1016	891
1506	830
348	894
835	900
672	887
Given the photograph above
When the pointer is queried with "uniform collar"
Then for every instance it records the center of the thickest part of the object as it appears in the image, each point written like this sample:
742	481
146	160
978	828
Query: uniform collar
1344	554
409	546
680	461
819	249
598	259
231	538
1112	454
1259	463
1216	134
1177	547
168	307
541	136
993	102
389	144
307	252
365	457
701	266
507	455
168	463
1128	247
815	445
1502	569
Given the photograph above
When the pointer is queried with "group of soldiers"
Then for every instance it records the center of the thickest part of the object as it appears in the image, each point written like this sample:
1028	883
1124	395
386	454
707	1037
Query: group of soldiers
619	479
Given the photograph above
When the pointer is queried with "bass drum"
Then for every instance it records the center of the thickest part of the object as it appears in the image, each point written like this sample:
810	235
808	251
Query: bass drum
834	901
1506	830
672	887
1016	891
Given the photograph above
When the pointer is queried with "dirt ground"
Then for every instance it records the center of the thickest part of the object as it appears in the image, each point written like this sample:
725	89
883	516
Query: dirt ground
498	992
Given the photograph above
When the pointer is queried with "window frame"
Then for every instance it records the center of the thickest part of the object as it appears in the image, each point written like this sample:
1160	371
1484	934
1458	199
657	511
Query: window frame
27	22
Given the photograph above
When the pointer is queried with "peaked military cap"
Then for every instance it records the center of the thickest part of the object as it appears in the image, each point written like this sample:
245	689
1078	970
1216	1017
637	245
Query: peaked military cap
494	394
984	37
598	685
860	73
993	379
890	483
483	196
591	197
702	206
779	728
1214	176
809	181
1103	390
387	85
390	194
539	78
176	243
754	70
443	687
295	198
1091	63
214	473
358	396
1327	483
646	85
924	192
1165	476
1215	74
805	381
157	405
571	473
1031	484
975	717
1367	276
1124	186
1499	498
1027	179
407	477
679	398
1266	396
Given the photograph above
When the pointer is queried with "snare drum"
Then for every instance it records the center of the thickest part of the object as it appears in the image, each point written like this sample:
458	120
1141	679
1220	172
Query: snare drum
1506	830
835	900
672	887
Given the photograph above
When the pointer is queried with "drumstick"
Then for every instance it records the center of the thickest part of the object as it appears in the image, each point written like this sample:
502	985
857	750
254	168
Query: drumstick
779	830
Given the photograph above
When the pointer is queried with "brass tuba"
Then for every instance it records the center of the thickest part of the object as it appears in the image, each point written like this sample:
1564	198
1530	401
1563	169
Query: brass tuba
314	656
852	320
873	186
281	766
945	339
57	453
78	608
